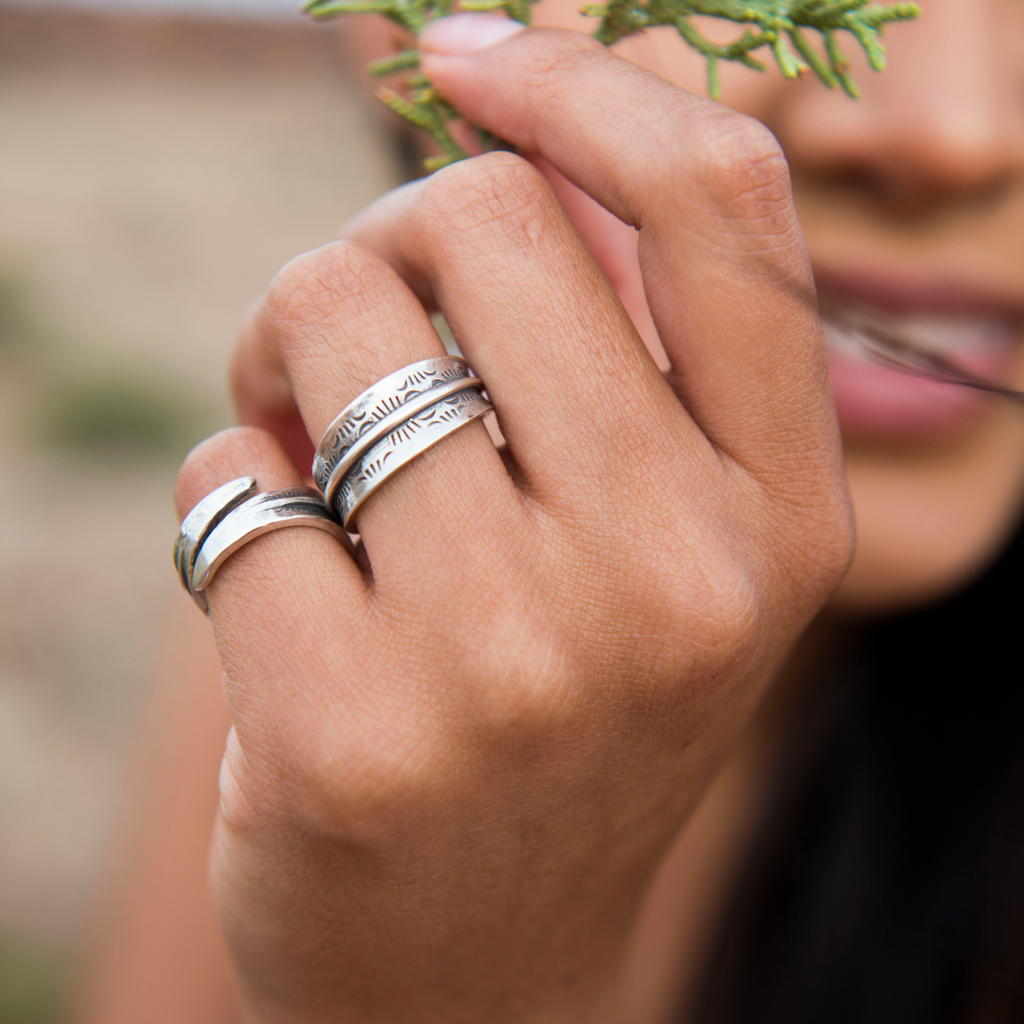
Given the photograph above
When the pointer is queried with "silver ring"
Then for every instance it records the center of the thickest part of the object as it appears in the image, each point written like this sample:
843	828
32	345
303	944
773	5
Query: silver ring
201	521
401	445
379	409
383	427
293	506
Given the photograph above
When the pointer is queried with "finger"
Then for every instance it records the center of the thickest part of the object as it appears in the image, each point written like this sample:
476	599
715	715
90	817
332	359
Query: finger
613	244
726	274
263	398
576	394
337	320
278	588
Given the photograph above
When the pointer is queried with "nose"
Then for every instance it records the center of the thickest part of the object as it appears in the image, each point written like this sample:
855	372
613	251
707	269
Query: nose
944	123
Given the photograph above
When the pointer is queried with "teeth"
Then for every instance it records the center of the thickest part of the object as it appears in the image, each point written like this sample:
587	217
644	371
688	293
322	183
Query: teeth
948	336
844	338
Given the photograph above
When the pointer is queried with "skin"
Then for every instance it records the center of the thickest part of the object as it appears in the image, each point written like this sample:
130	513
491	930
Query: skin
601	915
922	179
404	747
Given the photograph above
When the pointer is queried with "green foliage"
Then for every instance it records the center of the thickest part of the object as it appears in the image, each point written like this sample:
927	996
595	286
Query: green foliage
779	25
29	982
15	324
118	413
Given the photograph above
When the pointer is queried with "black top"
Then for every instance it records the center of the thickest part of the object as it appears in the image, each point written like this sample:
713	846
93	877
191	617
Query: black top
886	885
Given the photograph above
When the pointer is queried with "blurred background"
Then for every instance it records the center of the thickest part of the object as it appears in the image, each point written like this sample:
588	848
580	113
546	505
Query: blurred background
159	160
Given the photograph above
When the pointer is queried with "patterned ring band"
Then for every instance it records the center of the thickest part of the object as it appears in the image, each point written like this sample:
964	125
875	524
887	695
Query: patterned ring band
292	506
201	521
402	445
394	399
383	427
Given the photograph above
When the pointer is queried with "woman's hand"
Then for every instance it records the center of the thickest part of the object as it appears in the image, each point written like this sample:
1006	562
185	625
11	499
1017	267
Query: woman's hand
449	782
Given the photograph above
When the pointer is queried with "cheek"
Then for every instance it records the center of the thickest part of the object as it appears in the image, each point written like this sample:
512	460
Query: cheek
930	520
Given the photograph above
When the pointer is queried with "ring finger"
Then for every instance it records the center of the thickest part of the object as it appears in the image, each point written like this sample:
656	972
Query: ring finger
333	323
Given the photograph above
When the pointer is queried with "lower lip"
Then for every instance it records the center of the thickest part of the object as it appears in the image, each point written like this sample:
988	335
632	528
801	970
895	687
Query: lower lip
875	401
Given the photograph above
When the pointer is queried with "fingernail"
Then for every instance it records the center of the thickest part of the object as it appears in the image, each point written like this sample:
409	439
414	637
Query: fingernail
464	33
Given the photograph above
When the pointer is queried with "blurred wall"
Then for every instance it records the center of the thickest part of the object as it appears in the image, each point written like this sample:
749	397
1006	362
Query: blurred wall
154	173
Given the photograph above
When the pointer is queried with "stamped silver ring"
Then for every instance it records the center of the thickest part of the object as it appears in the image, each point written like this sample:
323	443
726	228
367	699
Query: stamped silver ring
401	445
383	427
201	521
292	506
379	409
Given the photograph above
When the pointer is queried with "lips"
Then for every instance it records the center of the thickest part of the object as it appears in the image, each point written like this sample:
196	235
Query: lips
944	330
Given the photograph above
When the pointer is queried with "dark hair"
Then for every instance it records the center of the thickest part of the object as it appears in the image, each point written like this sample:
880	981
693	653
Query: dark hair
886	881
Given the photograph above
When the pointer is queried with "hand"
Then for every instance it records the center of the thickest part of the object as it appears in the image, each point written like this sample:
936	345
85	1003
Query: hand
450	780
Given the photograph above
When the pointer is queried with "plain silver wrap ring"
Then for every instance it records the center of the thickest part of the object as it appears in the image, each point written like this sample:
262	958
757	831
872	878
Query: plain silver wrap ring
224	524
205	516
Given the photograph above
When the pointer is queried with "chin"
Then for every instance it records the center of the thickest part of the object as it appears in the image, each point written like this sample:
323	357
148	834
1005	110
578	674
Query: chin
872	590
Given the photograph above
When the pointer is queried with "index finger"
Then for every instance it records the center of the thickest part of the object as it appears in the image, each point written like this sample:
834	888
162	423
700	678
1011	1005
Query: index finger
725	270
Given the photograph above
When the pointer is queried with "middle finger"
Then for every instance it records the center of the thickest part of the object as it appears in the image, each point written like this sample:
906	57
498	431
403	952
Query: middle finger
578	396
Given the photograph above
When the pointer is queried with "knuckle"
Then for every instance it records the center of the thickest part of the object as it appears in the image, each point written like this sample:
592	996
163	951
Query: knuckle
722	607
356	773
695	597
314	289
211	463
741	171
494	199
241	805
828	543
814	534
535	696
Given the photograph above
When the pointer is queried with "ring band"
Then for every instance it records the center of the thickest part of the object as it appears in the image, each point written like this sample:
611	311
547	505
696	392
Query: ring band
200	523
395	398
379	430
230	517
293	506
402	445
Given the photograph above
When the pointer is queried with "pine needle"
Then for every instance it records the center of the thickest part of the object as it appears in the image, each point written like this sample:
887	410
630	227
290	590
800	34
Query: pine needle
781	26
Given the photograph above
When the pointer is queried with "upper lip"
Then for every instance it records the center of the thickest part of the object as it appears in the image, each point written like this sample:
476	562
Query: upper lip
899	290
